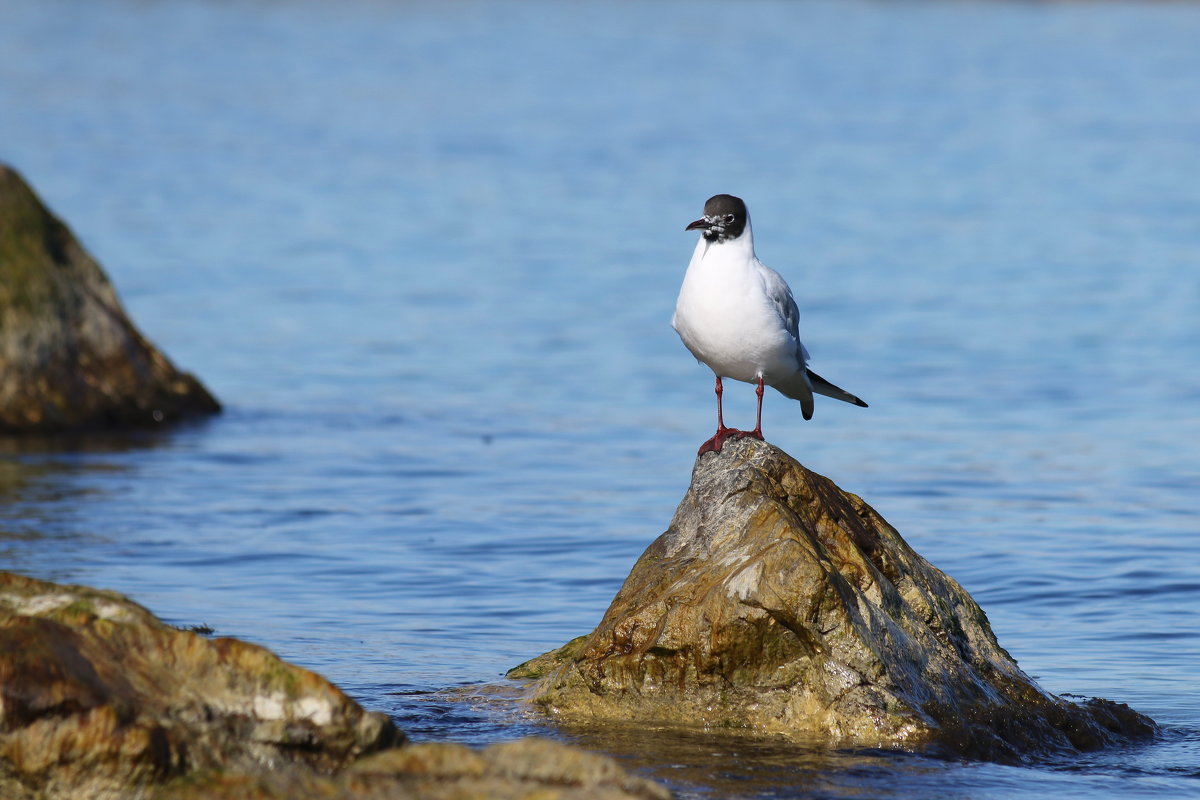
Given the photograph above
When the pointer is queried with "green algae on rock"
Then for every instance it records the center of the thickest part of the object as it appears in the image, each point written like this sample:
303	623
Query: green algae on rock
780	604
70	358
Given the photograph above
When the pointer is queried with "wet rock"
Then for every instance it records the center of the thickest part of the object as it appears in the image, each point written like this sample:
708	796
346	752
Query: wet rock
100	699
97	695
70	358
528	768
780	604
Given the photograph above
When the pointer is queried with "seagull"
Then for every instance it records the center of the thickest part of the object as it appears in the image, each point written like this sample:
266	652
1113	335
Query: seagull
737	316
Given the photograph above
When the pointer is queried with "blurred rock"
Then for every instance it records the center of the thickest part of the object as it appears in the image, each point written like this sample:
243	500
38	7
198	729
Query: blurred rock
70	358
529	768
100	699
778	603
96	695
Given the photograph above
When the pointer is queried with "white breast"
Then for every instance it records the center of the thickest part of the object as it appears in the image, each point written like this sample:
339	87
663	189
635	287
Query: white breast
726	318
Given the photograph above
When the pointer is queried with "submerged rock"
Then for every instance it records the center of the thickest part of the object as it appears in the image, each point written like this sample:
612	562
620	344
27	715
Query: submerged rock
778	603
100	699
70	358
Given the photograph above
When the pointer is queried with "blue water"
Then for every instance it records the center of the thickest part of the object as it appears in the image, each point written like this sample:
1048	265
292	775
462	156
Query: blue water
427	253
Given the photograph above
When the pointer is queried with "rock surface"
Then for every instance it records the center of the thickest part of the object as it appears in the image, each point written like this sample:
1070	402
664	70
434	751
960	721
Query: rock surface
529	769
778	603
100	699
70	358
96	694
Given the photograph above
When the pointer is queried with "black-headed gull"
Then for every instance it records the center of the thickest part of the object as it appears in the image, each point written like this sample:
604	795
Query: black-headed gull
738	317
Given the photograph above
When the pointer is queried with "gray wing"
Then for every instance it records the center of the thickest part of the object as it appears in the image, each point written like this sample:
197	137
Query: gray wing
801	385
785	305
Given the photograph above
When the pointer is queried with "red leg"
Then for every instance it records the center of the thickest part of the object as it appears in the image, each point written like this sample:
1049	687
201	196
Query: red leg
720	419
757	432
718	439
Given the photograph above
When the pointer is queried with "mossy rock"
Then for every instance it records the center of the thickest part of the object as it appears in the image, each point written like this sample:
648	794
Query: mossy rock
70	358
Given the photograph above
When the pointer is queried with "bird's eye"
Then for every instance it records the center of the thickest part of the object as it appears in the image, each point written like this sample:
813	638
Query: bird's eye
727	219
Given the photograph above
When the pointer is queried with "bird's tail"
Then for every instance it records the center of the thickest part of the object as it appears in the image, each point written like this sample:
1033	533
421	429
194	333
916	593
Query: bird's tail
797	387
822	386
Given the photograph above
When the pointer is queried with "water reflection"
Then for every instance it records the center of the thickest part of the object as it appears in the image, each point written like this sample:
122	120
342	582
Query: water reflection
50	484
104	442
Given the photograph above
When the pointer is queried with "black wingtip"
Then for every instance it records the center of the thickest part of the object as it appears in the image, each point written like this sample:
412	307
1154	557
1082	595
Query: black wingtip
858	402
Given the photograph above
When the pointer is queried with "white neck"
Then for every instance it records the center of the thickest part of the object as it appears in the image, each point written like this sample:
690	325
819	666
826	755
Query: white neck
741	248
